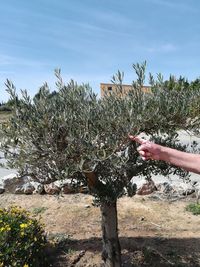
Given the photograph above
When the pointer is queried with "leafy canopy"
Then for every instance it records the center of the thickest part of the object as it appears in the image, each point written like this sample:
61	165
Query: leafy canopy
71	133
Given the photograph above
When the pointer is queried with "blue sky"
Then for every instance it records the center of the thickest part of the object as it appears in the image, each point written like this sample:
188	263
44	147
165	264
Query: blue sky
91	39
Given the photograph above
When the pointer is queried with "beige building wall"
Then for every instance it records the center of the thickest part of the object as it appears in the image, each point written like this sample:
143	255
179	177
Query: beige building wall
109	88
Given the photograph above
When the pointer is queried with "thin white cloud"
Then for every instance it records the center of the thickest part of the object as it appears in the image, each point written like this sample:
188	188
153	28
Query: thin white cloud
111	17
163	48
111	20
96	29
6	60
174	5
107	15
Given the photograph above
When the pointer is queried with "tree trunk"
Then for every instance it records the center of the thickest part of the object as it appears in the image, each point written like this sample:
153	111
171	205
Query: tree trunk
111	247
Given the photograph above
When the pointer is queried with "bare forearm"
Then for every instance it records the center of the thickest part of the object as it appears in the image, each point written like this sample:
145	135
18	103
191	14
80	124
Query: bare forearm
187	161
149	150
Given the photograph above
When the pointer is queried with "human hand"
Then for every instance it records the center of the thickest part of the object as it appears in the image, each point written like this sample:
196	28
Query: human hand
147	149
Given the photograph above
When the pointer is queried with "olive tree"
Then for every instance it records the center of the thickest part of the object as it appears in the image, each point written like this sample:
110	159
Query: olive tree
74	134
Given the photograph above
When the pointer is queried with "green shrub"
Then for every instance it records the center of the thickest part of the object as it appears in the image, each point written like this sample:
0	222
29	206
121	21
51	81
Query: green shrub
194	208
5	108
22	239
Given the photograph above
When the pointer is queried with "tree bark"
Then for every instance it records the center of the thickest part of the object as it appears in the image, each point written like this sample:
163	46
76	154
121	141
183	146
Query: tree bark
111	247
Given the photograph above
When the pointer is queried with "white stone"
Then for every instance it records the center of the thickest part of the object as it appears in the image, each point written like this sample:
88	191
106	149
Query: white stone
25	189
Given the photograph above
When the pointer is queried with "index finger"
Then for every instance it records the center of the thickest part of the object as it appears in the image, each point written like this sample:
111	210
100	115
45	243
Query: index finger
137	139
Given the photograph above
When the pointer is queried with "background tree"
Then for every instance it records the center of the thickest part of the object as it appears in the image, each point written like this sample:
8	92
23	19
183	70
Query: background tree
176	84
76	135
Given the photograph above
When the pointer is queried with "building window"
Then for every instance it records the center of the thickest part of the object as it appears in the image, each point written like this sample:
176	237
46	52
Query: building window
109	88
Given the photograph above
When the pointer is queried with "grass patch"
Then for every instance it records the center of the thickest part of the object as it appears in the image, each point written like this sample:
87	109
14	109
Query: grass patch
39	210
194	208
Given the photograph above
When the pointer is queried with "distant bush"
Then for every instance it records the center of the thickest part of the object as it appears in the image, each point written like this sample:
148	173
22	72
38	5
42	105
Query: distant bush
194	208
22	239
5	108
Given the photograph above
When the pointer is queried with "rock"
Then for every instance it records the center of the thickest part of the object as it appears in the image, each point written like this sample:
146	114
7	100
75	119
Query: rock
164	188
156	196
39	188
12	181
178	188
27	189
139	181
147	188
195	191
83	190
26	185
68	189
51	189
61	183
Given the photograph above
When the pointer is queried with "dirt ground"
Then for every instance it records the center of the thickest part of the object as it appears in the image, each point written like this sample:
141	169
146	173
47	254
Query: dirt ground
152	233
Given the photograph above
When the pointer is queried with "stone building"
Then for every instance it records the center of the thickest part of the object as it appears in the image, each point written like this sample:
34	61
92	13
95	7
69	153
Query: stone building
110	88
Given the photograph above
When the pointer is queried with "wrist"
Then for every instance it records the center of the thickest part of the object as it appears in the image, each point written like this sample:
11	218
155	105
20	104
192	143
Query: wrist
163	153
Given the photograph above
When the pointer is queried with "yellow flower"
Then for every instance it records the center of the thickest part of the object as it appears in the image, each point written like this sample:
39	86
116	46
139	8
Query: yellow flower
29	222
7	228
23	225
1	264
1	230
22	233
26	265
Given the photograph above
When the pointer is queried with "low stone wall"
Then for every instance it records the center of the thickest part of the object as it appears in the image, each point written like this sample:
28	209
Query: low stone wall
12	183
15	184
